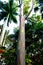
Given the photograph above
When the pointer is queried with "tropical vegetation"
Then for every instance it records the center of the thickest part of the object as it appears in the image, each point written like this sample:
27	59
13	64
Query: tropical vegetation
25	46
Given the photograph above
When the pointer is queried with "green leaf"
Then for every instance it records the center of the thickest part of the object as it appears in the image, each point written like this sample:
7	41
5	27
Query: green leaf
14	19
1	4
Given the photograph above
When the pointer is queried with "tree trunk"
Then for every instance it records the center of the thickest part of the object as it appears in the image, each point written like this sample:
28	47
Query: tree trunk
4	40
21	44
3	32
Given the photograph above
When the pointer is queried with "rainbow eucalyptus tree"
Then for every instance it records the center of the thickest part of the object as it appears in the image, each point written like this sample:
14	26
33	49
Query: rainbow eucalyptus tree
21	43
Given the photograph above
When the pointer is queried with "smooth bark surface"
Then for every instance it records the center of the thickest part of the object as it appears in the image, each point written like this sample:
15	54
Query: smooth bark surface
21	44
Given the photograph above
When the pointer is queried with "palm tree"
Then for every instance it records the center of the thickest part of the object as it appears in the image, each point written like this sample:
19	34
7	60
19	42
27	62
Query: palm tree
8	13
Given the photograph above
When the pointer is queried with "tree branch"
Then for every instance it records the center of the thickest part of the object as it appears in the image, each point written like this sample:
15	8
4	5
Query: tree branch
30	9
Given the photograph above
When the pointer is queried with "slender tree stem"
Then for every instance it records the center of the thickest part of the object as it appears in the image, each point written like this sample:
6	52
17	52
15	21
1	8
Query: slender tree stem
21	44
3	31
30	10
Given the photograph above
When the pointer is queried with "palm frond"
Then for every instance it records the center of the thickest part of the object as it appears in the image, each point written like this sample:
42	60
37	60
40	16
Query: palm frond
8	9
1	4
2	15
11	3
9	19
14	19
